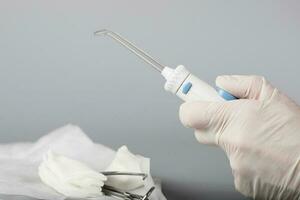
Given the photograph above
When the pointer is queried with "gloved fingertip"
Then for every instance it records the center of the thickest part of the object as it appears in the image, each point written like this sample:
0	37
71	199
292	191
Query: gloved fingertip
184	111
222	80
231	84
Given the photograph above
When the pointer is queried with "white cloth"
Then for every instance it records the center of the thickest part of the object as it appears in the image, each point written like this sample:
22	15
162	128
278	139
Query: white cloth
125	161
260	134
70	177
19	163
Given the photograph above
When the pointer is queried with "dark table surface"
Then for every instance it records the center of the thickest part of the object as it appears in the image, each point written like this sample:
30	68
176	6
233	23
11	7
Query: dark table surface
177	191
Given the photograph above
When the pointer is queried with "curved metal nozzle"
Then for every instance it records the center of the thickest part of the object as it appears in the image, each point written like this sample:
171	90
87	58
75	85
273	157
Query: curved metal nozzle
134	49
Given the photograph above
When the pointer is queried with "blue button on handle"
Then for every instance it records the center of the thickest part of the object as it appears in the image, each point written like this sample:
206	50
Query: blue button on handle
226	95
186	87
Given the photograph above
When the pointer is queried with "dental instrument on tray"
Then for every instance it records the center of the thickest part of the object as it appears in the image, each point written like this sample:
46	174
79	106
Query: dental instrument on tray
117	193
117	173
179	81
114	192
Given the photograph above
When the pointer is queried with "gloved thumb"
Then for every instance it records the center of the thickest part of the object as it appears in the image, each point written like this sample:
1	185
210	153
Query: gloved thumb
207	118
246	87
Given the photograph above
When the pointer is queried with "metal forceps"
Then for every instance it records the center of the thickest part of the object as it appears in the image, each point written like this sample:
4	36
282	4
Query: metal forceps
120	194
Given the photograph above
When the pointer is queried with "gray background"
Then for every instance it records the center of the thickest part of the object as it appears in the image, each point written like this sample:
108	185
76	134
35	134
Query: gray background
53	72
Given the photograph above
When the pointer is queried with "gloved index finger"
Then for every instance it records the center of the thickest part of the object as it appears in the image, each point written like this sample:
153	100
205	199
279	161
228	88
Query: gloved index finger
245	87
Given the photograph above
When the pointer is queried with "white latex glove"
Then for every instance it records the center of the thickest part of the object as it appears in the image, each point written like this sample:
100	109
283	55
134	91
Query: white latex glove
260	134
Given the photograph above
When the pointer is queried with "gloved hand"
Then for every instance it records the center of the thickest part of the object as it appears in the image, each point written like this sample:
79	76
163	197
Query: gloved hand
260	134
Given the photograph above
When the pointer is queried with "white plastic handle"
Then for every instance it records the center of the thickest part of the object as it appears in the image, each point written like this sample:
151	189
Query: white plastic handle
190	88
193	89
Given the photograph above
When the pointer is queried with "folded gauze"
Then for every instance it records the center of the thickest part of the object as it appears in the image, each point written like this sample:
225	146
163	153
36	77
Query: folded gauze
19	163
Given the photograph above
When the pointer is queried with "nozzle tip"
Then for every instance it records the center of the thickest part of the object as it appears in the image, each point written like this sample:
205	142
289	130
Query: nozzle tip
101	32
